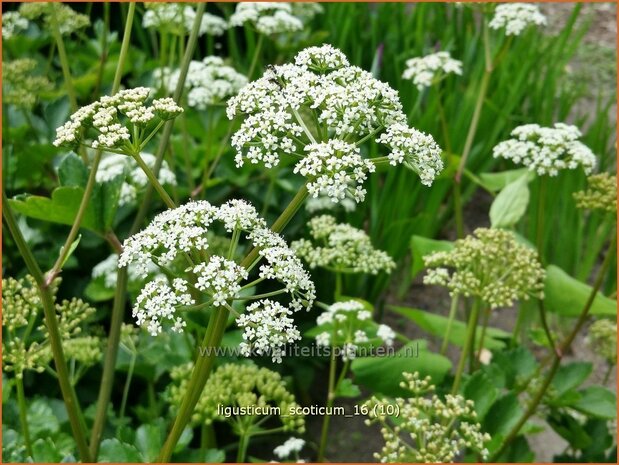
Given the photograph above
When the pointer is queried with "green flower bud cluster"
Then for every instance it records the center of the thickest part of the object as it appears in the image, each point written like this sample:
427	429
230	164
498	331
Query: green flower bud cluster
341	248
600	195
603	338
428	429
25	342
69	21
490	265
19	86
244	386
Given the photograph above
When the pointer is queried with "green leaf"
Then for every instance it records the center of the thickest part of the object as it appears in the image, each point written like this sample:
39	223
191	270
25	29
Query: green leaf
114	451
97	291
569	429
72	248
598	402
41	419
518	365
148	440
421	246
437	326
480	389
567	296
44	451
494	182
72	172
347	389
510	204
384	374
570	376
503	415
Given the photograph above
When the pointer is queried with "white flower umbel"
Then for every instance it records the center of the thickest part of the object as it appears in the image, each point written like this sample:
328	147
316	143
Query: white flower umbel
516	17
341	248
108	269
428	70
113	165
335	168
318	111
547	150
349	325
182	234
178	18
102	125
12	24
267	17
288	448
208	81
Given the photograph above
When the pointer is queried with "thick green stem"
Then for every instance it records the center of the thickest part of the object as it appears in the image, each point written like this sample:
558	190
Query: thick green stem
55	340
452	315
242	450
468	345
558	354
23	413
330	398
152	178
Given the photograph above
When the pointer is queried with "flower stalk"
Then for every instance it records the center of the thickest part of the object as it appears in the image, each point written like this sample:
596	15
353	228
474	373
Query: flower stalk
468	345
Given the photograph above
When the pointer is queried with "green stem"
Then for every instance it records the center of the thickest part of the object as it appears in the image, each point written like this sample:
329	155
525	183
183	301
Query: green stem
338	286
558	355
452	315
330	398
64	60
123	403
207	438
154	181
468	345
254	60
482	336
23	413
541	203
243	443
49	310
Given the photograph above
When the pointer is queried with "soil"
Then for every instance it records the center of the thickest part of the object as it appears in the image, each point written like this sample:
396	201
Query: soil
350	439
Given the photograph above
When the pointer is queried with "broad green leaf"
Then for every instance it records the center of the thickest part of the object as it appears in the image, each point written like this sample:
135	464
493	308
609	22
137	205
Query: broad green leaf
480	389
567	296
96	290
510	204
518	365
598	402
437	326
570	376
569	429
44	451
384	374
347	389
494	182
72	172
148	440
501	418
41	419
421	246
114	451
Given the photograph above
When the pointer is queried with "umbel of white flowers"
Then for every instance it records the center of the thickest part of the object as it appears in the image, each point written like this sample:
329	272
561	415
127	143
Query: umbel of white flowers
274	17
320	110
208	81
427	70
547	150
516	17
178	18
182	233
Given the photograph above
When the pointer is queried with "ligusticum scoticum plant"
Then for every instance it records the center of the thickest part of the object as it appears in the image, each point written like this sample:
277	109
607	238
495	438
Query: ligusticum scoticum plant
319	110
274	17
178	18
183	233
12	24
601	193
67	19
208	82
516	18
21	86
430	69
341	248
490	265
428	429
545	150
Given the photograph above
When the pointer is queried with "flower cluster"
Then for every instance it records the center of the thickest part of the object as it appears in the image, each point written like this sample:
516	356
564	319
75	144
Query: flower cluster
68	20
335	169
178	19
274	17
348	325
103	117
237	386
20	87
428	429
417	150
603	338
113	165
341	248
490	265
600	195
25	345
107	271
547	150
12	24
208	81
318	110
183	232
291	446
516	17
427	70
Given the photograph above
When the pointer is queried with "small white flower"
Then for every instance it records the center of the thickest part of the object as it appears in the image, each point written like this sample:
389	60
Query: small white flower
178	18
425	71
12	24
269	17
292	445
516	17
386	334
